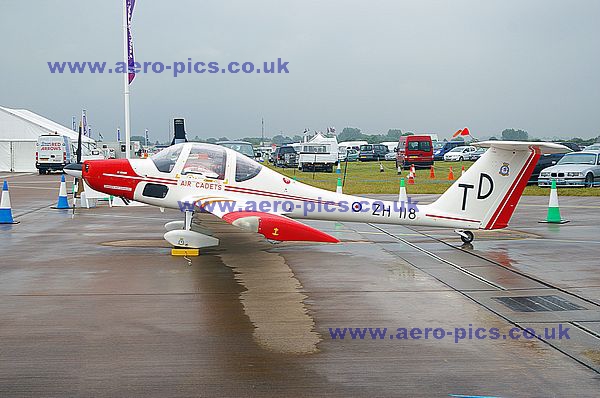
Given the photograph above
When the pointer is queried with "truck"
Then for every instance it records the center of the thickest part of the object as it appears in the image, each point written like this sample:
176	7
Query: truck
55	151
318	154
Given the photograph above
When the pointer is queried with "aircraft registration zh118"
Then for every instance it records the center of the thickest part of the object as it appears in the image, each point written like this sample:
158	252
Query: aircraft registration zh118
211	178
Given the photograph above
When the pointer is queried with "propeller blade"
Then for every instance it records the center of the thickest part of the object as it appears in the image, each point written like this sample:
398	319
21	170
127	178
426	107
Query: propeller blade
74	169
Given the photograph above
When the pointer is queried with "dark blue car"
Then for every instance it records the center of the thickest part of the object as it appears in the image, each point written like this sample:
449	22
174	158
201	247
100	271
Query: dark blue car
439	153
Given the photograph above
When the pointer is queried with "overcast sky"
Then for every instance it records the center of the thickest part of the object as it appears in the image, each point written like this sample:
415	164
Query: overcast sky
423	66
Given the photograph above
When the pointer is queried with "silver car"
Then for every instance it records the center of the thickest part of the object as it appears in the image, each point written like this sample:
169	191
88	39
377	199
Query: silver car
575	169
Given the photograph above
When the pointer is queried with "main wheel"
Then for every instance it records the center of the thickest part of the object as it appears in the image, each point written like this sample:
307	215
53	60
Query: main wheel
589	180
467	239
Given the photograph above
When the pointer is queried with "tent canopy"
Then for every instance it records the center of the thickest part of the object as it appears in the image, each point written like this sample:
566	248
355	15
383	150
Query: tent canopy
24	125
19	132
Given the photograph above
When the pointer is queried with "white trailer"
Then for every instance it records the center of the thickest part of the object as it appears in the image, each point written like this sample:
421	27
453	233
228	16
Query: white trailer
320	153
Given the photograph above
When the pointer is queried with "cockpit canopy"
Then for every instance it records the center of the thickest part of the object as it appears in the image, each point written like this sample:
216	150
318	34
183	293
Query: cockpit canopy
207	160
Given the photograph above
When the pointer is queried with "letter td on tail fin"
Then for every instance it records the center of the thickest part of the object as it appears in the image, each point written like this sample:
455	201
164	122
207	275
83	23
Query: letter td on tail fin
488	192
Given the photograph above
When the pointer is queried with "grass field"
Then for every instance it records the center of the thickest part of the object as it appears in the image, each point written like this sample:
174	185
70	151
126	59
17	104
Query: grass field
365	177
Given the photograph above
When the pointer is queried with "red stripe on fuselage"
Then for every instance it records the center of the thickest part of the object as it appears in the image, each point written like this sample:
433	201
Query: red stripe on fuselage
503	213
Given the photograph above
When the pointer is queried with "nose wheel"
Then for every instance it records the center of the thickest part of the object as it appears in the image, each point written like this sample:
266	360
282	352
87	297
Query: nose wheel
465	236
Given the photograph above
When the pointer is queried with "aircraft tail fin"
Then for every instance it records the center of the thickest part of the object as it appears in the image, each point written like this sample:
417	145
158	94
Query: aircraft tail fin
490	189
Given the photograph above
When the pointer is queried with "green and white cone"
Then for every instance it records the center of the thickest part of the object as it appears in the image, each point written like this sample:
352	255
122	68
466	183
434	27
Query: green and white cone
338	188
402	197
553	216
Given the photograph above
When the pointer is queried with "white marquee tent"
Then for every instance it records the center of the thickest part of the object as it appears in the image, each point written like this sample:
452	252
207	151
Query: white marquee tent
19	131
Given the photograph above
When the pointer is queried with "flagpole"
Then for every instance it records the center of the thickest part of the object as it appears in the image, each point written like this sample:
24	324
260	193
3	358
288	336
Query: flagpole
126	82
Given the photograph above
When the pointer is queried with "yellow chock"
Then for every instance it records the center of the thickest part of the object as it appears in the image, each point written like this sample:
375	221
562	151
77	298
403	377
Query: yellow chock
185	252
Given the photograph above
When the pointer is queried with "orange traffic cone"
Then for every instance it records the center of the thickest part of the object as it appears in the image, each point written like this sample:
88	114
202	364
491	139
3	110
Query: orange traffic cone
412	168
411	178
450	174
462	171
431	173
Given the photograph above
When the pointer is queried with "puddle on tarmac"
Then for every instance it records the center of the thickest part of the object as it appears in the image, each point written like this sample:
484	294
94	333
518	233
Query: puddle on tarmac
273	302
593	355
504	234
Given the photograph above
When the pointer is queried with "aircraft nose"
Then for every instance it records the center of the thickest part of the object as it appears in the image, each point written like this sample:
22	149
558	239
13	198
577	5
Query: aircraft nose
112	176
73	169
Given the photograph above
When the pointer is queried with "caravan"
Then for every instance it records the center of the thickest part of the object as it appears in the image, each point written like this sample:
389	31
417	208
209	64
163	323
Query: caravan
320	153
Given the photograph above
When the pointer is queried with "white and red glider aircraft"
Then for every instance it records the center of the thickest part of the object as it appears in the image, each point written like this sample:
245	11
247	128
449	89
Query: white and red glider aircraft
211	178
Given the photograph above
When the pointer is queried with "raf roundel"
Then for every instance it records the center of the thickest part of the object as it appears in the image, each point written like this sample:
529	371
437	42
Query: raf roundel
356	207
504	169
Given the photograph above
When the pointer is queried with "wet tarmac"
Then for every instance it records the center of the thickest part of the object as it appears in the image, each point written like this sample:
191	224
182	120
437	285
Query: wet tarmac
92	304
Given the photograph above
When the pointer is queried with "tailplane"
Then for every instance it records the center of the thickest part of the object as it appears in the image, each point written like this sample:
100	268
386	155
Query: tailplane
490	189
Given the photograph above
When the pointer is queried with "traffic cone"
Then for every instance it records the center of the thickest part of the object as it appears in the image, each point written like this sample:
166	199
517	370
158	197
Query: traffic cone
411	178
338	170
381	167
431	173
63	201
450	174
5	210
402	197
553	216
338	188
399	170
462	171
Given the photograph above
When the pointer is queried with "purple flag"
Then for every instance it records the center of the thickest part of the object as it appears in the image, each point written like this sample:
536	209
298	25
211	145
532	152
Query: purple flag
130	60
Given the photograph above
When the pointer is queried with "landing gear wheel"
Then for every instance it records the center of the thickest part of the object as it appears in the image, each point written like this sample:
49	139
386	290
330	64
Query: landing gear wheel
467	237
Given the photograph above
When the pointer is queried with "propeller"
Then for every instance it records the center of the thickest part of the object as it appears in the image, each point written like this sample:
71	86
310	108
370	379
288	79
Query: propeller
74	169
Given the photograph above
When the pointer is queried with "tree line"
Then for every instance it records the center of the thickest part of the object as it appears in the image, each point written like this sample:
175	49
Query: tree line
355	134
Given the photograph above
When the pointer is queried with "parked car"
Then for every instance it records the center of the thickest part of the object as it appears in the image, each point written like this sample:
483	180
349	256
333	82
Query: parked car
390	156
243	147
349	154
575	169
544	161
574	147
477	154
460	153
447	147
285	156
414	149
372	152
549	160
593	147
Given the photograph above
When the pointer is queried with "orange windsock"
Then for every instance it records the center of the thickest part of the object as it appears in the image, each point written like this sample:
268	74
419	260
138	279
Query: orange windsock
461	132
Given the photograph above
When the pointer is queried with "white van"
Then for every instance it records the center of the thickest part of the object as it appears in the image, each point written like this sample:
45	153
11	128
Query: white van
351	144
53	152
